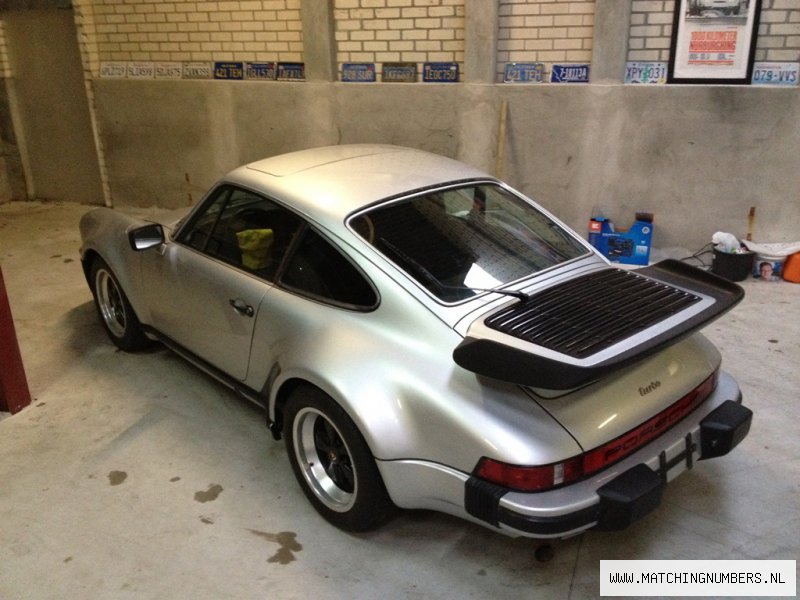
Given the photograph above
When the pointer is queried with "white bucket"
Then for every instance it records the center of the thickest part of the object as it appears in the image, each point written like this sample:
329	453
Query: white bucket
768	267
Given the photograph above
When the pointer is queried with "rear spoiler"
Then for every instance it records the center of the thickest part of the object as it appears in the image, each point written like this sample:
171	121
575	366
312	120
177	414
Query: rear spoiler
584	329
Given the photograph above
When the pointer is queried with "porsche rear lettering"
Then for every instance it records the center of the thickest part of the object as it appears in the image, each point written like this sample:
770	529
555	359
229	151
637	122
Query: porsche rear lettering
641	437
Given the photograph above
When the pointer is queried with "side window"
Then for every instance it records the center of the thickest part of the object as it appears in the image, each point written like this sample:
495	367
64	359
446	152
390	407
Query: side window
318	269
198	232
243	229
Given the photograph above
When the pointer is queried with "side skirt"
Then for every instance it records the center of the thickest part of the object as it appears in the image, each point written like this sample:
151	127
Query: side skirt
237	386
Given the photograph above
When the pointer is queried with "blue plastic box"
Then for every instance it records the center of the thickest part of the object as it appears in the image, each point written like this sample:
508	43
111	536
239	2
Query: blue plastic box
629	246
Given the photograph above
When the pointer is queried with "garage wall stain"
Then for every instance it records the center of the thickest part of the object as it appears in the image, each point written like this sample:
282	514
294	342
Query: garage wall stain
287	542
211	494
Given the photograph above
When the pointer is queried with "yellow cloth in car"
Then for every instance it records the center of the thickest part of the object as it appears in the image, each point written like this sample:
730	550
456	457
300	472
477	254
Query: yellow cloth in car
256	245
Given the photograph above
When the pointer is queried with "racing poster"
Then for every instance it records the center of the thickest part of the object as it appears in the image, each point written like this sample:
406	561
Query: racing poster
713	41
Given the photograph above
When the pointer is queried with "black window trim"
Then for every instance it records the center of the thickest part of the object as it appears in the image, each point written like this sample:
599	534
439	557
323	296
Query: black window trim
200	209
293	249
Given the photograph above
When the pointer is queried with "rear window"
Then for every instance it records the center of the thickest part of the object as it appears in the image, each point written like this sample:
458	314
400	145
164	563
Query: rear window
459	241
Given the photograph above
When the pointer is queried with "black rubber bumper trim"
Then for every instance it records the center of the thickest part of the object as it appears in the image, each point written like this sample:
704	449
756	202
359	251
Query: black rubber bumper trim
629	497
550	525
723	429
482	500
625	499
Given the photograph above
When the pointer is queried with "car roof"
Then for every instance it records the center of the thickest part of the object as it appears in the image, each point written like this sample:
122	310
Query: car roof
328	184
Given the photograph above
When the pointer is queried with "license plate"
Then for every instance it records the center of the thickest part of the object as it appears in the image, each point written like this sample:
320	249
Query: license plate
197	70
440	72
646	72
775	73
569	74
399	72
291	71
264	71
228	70
358	72
524	73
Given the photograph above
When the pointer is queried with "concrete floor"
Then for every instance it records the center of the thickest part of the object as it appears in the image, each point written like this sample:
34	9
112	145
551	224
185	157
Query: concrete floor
136	476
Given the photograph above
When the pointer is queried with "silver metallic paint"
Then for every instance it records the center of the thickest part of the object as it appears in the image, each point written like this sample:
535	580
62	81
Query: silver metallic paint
426	420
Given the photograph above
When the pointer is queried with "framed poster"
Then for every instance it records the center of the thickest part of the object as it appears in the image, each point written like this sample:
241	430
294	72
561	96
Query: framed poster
713	41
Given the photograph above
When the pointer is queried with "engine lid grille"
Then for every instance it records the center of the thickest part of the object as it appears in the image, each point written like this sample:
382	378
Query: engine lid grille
583	316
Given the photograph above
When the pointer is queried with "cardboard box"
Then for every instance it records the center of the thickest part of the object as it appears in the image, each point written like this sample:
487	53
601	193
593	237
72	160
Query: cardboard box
627	246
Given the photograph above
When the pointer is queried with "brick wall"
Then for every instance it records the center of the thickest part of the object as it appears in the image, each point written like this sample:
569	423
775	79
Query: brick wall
188	30
545	31
778	33
379	31
651	30
268	30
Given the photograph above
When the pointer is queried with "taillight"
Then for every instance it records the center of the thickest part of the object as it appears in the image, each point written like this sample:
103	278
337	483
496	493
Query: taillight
544	477
529	479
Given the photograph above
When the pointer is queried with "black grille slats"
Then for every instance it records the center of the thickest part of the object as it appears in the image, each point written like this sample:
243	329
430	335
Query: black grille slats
585	315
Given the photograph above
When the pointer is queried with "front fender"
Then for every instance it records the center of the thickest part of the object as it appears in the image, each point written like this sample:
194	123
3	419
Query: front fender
104	233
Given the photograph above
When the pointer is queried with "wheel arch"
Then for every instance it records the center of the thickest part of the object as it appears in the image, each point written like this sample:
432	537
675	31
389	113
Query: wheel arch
104	235
331	459
275	408
449	418
348	399
87	259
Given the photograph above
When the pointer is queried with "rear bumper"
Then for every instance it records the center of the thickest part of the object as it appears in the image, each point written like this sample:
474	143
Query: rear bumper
623	494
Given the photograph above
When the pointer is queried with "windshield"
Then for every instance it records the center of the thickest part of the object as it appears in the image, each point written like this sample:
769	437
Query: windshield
459	241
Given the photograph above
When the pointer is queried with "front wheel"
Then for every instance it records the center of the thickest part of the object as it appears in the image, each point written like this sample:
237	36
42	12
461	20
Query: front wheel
332	462
116	313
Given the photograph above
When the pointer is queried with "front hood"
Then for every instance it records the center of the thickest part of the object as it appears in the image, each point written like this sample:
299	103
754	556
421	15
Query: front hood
584	329
607	409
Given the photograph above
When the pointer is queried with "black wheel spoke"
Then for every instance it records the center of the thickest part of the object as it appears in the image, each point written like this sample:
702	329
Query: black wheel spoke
325	437
343	476
333	455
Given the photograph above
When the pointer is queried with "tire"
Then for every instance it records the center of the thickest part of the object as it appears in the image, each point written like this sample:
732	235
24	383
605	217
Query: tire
116	313
332	462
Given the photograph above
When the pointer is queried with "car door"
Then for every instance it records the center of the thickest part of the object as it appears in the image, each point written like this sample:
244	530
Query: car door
205	286
313	311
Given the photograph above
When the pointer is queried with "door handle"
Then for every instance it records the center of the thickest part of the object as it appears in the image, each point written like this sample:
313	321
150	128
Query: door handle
241	307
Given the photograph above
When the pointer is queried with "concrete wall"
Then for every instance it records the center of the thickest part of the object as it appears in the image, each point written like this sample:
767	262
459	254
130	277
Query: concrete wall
697	156
53	117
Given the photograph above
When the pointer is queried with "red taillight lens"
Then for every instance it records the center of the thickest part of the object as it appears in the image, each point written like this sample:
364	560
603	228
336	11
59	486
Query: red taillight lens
545	477
529	479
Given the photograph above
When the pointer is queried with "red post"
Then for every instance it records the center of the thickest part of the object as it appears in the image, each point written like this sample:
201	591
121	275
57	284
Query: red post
14	392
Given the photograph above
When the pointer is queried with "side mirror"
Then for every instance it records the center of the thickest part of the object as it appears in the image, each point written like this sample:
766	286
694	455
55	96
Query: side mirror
147	236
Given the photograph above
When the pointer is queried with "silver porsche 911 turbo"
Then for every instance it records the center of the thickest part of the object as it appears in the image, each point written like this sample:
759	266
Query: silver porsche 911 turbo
423	336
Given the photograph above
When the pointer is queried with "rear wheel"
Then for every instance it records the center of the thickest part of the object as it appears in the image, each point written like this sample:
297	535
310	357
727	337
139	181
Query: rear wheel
332	462
116	313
